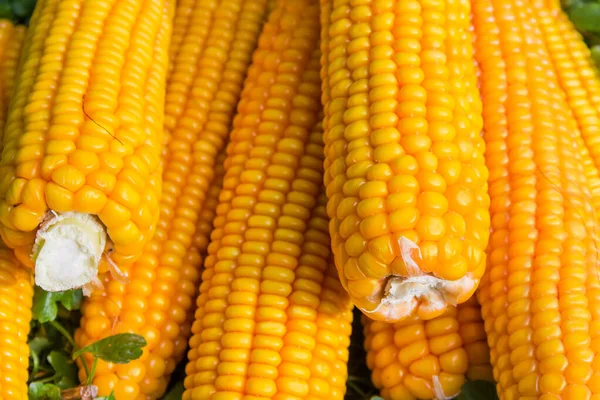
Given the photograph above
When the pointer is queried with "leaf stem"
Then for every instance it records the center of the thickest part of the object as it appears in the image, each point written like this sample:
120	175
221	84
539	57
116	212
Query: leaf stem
356	389
90	376
46	379
69	338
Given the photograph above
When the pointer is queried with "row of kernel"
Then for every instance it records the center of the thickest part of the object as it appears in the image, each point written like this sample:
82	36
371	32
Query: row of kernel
204	354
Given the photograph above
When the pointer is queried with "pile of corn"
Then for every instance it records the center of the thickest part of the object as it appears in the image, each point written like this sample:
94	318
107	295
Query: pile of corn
228	178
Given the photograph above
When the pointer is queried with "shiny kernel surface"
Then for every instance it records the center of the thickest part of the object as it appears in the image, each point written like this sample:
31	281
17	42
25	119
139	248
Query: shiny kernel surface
88	100
212	47
403	121
273	320
413	358
539	294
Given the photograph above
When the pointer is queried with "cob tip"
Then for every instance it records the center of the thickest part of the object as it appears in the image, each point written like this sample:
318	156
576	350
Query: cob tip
67	251
426	295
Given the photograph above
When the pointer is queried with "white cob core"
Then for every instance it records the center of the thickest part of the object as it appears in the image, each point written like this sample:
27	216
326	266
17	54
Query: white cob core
67	251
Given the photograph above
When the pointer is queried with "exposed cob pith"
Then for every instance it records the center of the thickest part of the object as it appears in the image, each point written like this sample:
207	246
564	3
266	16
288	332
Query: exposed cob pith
83	136
16	282
203	88
273	320
540	293
416	359
404	169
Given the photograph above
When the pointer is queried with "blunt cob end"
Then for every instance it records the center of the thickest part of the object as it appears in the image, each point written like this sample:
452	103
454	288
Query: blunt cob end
404	169
80	164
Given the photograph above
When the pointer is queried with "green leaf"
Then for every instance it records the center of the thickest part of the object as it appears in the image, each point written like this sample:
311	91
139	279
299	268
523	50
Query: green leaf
71	299
43	391
111	396
596	54
478	390
586	17
23	8
6	9
65	369
45	304
37	345
118	349
176	393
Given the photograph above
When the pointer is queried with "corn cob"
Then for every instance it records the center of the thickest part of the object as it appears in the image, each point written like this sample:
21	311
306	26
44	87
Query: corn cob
404	169
579	79
16	282
273	320
540	292
11	42
82	142
16	294
416	359
157	301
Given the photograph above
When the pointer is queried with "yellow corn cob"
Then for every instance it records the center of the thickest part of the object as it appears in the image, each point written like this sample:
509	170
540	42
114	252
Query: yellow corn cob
540	293
157	301
16	282
416	359
576	73
579	79
83	136
11	42
273	320
16	294
404	169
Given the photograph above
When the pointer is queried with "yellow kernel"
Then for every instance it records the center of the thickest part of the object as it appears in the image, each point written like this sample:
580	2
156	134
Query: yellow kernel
103	181
404	184
33	195
59	147
89	200
383	248
432	203
114	214
374	226
426	367
84	161
68	177
384	136
25	219
125	195
404	219
430	227
397	201
370	207
58	198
